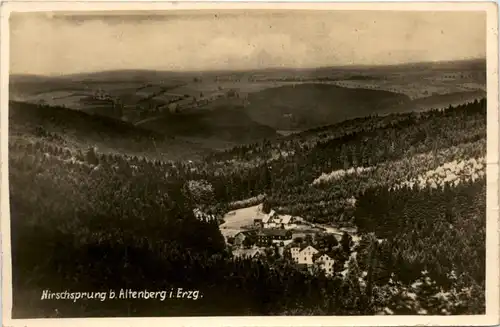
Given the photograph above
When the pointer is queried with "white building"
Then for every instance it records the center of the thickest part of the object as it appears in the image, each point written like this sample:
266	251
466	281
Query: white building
202	215
266	221
304	256
288	222
273	220
309	256
324	262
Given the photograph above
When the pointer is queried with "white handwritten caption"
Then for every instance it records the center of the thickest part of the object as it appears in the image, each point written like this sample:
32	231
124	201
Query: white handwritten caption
178	293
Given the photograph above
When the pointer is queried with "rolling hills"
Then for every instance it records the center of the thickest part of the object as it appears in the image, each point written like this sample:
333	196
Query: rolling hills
217	109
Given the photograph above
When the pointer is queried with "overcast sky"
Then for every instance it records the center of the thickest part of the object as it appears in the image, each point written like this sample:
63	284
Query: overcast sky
49	44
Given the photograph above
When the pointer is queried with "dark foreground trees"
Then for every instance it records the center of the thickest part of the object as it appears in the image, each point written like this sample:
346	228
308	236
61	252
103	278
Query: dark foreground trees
87	228
97	222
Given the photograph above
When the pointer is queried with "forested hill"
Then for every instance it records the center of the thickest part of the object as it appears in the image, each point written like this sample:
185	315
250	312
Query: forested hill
287	169
77	130
100	221
303	106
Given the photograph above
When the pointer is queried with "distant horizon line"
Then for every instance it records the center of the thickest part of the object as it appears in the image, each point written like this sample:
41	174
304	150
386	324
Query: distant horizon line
275	68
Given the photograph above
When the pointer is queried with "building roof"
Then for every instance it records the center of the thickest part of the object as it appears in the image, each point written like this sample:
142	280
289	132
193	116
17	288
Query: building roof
274	232
316	256
319	255
200	214
246	233
312	247
301	246
286	219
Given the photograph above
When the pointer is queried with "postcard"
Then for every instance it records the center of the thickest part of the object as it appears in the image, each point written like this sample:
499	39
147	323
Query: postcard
249	164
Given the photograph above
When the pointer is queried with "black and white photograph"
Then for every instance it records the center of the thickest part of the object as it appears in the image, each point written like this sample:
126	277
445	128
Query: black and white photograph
250	162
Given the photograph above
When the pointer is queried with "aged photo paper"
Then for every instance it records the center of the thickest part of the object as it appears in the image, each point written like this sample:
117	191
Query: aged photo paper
249	164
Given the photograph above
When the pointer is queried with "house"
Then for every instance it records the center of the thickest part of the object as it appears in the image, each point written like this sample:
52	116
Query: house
285	220
288	222
272	220
200	215
269	220
309	256
265	221
240	237
266	237
294	252
303	255
324	262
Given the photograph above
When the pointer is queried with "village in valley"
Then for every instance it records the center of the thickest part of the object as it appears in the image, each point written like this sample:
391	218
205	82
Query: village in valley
251	233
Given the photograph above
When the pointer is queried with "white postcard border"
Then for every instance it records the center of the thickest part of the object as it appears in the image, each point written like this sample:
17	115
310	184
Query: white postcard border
492	238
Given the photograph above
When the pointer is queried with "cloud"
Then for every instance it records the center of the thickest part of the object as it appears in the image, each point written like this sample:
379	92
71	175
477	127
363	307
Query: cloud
44	44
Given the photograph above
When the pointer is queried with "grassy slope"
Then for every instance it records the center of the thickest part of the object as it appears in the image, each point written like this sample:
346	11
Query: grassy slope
312	105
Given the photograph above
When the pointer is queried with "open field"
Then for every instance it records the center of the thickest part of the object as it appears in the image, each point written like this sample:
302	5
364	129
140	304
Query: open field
242	219
278	98
235	220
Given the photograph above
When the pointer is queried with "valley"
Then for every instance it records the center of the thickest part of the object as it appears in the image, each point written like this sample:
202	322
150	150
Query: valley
114	198
311	197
